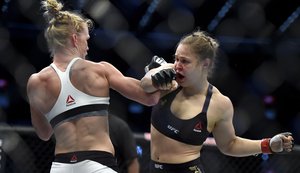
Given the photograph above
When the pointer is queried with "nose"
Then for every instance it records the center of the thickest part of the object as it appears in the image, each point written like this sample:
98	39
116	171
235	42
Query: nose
178	66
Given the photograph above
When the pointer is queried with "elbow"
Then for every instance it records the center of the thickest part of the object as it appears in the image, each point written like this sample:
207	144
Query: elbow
153	103
152	100
44	138
42	127
228	149
147	86
44	135
225	151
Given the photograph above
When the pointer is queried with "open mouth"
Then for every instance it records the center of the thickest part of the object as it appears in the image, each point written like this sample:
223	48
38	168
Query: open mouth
179	76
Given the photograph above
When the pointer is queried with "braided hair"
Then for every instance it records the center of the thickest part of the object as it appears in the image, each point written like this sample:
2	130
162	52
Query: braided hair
61	24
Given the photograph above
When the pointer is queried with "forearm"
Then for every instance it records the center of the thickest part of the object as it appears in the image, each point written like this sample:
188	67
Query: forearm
41	125
44	133
131	89
240	147
146	82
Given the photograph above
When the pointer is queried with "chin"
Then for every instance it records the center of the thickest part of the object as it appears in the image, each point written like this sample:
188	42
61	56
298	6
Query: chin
180	78
180	82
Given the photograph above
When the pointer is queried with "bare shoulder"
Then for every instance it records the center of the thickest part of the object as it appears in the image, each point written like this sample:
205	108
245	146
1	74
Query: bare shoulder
102	65
37	78
109	68
221	103
106	64
39	82
222	100
33	80
100	68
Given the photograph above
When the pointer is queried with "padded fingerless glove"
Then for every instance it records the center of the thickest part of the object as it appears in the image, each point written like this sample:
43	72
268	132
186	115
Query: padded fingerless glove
155	62
163	77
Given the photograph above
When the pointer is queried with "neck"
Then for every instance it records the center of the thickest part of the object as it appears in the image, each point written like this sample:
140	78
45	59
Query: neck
64	56
62	59
196	89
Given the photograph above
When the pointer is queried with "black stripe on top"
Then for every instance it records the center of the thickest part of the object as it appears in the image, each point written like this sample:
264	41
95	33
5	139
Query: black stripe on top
95	109
207	99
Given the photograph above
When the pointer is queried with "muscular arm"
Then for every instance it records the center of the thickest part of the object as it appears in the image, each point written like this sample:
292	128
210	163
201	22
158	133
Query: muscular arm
225	137
129	87
146	82
39	121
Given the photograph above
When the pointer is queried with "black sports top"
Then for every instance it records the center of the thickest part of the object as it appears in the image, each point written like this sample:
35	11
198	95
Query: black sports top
191	131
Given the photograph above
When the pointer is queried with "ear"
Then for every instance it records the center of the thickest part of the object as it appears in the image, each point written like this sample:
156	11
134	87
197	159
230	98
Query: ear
74	39
206	63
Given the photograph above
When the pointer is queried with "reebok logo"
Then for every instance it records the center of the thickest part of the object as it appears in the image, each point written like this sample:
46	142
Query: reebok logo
73	158
198	127
70	100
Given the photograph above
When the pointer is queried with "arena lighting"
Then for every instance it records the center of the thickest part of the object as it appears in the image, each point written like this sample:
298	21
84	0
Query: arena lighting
287	23
145	19
135	108
4	101
269	99
139	150
3	83
270	114
221	14
265	157
5	5
76	5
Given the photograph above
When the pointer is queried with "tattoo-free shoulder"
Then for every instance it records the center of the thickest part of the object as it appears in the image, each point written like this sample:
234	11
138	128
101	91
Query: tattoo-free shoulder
221	102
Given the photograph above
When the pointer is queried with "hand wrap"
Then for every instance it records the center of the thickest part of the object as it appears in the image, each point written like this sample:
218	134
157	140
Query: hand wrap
265	146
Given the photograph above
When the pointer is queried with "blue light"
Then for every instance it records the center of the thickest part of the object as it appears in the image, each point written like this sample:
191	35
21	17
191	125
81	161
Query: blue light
265	157
4	101
270	114
290	20
145	19
221	14
139	150
136	108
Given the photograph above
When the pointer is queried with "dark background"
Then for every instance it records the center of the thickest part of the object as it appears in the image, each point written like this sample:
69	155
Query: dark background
258	63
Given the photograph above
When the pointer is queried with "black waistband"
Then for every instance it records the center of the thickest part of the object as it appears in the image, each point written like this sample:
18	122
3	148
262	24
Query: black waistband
175	167
102	157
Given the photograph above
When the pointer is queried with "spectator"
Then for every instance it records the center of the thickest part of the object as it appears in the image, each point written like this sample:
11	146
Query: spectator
124	143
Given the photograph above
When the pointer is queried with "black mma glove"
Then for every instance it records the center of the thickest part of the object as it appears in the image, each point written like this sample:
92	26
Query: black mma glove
155	62
163	77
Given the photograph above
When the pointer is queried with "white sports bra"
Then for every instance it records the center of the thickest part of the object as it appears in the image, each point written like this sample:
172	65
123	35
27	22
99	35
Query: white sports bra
72	103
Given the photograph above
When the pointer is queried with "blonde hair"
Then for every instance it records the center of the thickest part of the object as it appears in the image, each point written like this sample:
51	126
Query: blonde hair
61	24
203	46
